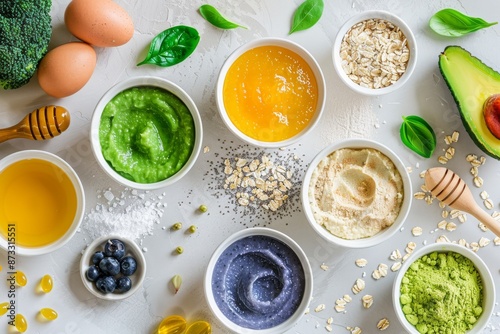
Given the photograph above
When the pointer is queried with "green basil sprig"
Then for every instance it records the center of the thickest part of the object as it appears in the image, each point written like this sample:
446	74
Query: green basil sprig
307	15
418	136
172	46
452	23
212	15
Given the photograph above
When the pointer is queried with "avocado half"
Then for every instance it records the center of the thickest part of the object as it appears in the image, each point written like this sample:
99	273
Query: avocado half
471	82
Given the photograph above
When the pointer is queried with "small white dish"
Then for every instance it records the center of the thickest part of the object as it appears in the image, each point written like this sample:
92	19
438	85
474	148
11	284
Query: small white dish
382	235
300	51
154	82
80	199
308	288
489	297
375	14
131	249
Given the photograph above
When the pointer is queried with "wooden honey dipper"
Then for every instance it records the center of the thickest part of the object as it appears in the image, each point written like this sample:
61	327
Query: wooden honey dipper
41	124
450	189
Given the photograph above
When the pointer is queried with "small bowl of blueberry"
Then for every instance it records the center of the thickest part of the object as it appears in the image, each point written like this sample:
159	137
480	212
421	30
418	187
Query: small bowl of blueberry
112	267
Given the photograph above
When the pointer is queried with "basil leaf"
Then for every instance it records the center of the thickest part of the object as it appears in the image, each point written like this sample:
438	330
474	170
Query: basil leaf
306	15
172	46
418	136
452	23
212	15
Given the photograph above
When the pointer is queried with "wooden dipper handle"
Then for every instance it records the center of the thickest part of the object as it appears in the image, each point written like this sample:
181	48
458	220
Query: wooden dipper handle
41	124
450	189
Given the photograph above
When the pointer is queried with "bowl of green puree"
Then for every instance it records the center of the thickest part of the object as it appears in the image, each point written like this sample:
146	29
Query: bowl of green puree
146	132
444	288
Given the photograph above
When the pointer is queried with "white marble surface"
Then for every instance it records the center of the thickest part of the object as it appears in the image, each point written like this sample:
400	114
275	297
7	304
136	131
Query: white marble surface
376	118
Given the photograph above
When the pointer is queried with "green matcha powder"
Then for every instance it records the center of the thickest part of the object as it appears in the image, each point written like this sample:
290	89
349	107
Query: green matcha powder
442	293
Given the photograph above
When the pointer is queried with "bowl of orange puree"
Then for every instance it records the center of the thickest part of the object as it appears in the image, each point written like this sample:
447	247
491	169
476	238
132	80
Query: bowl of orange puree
270	92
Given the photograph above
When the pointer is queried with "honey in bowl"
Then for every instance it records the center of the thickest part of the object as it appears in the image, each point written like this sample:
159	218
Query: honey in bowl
37	201
270	93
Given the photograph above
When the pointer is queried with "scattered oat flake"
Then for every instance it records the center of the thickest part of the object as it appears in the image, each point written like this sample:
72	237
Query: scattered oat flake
488	203
376	274
484	195
482	227
451	226
361	262
367	301
416	231
442	238
339	308
474	246
395	255
419	195
329	321
329	328
354	330
496	241
483	242
382	268
320	308
442	224
358	286
396	266
324	267
383	324
405	257
347	298
206	149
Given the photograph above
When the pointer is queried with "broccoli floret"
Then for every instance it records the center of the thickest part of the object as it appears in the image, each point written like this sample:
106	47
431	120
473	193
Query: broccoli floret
25	31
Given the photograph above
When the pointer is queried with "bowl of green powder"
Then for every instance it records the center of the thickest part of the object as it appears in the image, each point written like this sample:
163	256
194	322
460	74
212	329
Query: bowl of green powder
444	288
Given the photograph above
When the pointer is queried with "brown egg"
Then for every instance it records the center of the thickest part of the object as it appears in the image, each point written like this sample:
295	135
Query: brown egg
66	69
101	23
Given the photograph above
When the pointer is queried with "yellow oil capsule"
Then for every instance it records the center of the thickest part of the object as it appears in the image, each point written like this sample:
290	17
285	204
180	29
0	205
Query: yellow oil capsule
46	284
21	278
199	327
4	308
21	323
174	324
48	313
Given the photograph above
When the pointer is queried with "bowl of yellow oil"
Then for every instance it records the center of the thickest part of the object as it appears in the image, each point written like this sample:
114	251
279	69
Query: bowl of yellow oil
270	92
41	202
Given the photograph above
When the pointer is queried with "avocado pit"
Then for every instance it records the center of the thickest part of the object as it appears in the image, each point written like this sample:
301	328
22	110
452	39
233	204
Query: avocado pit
491	112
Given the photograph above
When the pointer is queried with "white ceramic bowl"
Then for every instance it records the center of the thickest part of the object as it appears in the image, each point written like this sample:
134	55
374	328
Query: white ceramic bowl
299	50
375	14
80	198
487	280
131	249
382	235
136	82
260	231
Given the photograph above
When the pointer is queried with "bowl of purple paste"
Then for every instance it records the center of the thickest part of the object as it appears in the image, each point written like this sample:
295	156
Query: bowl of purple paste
258	280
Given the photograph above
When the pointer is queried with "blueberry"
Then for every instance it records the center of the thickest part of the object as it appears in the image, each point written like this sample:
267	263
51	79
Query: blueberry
93	273
128	265
106	284
109	266
114	248
123	284
97	257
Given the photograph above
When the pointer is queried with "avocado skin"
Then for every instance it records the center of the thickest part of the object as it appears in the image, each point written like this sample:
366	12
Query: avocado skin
472	117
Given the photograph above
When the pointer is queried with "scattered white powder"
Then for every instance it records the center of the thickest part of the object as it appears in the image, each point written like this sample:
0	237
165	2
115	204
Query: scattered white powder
125	215
348	119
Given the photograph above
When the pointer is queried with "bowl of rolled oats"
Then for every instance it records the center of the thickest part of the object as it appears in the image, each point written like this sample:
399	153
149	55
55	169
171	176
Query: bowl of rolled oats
374	53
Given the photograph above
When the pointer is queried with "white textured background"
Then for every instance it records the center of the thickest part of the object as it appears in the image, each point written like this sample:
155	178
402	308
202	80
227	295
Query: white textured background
346	115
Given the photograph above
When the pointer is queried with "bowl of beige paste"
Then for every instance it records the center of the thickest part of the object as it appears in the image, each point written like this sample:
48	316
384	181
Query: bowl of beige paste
356	193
